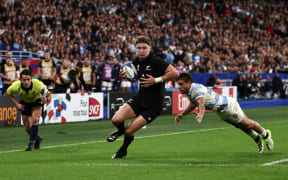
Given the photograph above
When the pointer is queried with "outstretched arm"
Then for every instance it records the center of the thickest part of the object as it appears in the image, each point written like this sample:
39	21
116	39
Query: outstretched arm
188	109
201	109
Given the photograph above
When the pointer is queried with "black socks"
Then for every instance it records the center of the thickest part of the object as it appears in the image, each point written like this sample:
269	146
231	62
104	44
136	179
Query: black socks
33	133
127	141
120	127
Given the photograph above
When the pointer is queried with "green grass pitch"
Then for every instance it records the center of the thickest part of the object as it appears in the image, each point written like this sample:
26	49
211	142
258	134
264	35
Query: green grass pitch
210	150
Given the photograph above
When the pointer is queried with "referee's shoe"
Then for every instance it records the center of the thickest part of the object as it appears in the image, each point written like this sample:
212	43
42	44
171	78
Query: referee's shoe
37	143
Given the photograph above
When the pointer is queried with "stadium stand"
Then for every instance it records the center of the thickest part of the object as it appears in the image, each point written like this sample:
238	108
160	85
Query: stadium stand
207	36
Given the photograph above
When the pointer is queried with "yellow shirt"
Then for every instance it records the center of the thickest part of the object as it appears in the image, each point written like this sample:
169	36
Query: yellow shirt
36	91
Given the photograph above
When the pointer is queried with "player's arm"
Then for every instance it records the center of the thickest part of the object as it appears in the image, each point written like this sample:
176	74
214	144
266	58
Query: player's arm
187	110
170	74
12	99
201	109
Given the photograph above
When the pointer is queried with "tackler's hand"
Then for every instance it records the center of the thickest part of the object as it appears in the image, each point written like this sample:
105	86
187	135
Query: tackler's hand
178	118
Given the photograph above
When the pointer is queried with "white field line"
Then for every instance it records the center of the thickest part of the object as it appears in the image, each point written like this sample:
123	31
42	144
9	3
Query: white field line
95	142
169	165
275	162
140	137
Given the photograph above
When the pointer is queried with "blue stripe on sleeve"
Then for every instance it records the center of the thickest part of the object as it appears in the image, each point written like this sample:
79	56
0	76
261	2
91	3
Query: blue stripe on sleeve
198	94
210	106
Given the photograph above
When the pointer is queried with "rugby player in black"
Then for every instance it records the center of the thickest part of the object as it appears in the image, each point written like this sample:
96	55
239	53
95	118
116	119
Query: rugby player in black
152	73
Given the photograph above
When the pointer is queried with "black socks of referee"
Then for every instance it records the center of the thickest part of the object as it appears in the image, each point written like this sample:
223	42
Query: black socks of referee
33	133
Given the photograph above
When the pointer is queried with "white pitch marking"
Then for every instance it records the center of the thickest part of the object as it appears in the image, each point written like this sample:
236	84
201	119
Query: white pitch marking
95	142
170	165
275	162
159	135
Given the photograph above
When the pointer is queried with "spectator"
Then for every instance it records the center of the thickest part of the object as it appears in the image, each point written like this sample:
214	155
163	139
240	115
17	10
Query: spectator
267	87
105	71
24	65
277	87
47	71
116	80
89	76
228	38
8	72
76	79
63	80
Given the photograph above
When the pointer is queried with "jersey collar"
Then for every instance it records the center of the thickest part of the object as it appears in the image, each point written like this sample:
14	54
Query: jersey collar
27	89
147	59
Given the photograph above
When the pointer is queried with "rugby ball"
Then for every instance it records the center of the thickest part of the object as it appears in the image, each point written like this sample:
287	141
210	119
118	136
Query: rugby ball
131	72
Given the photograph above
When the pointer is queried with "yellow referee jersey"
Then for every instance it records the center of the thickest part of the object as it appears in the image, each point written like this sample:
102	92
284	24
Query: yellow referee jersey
29	95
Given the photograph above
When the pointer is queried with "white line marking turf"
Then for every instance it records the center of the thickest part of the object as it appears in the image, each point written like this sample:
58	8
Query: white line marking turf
139	137
275	162
95	142
171	165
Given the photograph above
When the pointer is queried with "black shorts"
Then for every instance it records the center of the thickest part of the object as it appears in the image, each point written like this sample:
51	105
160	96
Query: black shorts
148	110
88	87
28	107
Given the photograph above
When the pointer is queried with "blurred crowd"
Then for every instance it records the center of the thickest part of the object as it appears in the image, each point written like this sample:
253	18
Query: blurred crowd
247	36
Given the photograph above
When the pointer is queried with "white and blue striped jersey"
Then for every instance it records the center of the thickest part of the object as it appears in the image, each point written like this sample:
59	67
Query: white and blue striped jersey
213	101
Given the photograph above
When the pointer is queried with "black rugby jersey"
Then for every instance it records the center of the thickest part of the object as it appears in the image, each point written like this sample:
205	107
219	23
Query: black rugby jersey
155	66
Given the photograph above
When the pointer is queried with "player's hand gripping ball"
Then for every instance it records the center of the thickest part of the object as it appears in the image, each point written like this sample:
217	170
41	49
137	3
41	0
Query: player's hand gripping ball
131	72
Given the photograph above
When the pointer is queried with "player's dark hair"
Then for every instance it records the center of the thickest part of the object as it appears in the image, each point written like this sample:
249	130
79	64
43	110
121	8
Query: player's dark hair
26	72
186	77
143	39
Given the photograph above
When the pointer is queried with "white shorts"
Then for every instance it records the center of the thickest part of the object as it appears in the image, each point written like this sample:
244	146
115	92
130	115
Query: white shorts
125	84
232	112
106	85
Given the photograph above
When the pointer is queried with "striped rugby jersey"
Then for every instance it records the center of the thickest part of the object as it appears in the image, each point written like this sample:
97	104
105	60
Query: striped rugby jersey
213	101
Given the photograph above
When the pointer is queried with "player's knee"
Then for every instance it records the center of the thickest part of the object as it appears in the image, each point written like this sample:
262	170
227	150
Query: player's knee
115	119
129	131
35	118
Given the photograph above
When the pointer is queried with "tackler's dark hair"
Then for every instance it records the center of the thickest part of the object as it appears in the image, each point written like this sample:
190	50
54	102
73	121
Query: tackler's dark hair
186	77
